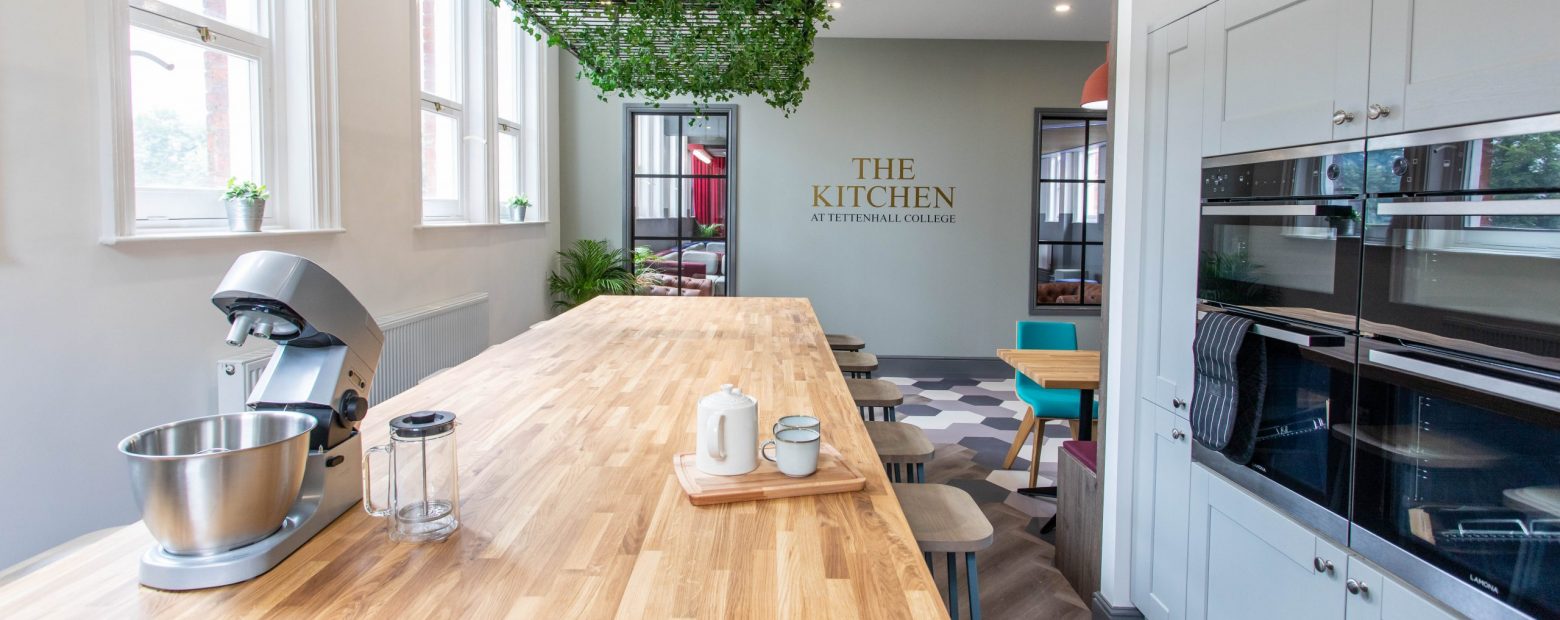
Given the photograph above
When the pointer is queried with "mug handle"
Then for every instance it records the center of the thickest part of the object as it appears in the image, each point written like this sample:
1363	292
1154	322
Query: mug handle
765	446
368	477
715	443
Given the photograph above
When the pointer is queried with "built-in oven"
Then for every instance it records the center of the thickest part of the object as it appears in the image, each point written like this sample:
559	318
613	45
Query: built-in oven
1298	461
1281	232
1462	245
1457	477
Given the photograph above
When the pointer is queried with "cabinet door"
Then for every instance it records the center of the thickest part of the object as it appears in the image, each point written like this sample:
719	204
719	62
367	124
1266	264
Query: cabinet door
1172	190
1435	62
1280	70
1165	465
1374	596
1250	561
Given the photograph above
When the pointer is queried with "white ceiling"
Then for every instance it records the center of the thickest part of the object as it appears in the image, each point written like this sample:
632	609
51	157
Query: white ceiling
1089	20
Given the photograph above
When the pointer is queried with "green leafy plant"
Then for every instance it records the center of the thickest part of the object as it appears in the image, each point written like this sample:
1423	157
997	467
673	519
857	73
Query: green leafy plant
712	50
519	202
590	268
706	231
1229	277
245	191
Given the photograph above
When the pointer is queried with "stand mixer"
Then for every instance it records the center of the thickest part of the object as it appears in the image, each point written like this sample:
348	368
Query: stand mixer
327	352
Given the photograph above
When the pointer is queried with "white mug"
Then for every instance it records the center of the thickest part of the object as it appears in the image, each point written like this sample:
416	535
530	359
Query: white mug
798	421
796	451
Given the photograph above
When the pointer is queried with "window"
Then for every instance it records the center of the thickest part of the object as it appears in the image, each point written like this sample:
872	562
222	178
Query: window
1067	259
203	91
679	195
475	109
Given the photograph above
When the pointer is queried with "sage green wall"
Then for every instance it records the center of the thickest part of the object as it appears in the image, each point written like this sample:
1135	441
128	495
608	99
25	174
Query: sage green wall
962	109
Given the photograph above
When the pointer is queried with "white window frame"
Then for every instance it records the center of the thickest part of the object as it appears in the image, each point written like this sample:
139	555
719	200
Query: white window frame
479	124
295	57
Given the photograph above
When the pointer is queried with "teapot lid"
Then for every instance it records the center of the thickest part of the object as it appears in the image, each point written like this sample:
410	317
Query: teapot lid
729	397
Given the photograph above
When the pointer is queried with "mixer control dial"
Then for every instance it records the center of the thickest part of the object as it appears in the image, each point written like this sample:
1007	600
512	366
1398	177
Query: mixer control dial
353	407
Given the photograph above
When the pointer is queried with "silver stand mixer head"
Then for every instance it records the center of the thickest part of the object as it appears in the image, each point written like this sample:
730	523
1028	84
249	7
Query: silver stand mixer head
327	352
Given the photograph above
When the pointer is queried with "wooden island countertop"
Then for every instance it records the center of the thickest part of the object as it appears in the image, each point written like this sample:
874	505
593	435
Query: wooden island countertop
570	507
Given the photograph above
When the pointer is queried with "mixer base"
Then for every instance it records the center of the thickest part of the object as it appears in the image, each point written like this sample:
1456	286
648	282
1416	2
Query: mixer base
328	491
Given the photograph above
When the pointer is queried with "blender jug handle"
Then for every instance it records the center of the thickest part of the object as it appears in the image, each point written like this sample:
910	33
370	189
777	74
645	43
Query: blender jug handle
368	478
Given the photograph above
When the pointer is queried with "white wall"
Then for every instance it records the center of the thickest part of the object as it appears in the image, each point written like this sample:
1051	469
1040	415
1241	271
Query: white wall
102	341
962	109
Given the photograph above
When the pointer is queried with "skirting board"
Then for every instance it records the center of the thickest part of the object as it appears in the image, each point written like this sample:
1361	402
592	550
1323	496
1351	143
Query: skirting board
943	367
1101	609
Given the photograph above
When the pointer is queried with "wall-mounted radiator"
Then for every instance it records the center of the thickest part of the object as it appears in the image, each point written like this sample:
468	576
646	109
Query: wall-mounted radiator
418	342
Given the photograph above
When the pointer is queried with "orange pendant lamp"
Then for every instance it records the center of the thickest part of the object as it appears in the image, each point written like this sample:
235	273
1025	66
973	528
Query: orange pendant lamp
1096	89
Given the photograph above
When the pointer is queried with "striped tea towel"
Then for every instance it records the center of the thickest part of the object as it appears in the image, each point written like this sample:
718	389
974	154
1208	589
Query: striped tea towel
1228	386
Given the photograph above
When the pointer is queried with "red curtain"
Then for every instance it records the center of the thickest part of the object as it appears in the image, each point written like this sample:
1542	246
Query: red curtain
709	194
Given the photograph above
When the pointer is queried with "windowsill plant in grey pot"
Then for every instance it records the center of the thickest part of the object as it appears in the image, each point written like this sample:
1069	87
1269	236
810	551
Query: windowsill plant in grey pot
245	205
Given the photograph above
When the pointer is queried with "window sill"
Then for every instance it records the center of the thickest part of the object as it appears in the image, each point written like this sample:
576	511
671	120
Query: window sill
180	235
435	225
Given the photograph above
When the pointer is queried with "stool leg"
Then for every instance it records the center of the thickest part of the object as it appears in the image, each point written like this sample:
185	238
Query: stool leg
974	589
928	557
953	587
920	472
868	374
891	414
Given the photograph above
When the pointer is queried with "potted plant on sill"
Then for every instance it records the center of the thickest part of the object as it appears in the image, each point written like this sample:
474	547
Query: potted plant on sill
245	205
518	206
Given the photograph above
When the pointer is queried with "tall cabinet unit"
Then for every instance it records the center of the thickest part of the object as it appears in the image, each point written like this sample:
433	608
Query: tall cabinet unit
1174	145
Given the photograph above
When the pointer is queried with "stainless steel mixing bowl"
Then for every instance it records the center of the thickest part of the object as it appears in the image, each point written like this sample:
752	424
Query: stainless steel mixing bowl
206	485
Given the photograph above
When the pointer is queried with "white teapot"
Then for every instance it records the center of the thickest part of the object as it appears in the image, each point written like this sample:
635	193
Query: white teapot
728	433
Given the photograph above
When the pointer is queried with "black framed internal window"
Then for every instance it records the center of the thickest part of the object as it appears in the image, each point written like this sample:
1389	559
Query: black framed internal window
1067	252
679	196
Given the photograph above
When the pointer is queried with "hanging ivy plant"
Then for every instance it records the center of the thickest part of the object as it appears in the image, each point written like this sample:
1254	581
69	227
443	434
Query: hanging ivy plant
708	50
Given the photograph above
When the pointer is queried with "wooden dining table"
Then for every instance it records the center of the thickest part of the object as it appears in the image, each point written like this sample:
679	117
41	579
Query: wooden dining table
1058	370
569	504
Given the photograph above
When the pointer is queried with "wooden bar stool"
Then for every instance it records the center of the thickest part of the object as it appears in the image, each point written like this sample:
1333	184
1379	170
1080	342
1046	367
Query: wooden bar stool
856	364
843	342
947	520
900	445
871	394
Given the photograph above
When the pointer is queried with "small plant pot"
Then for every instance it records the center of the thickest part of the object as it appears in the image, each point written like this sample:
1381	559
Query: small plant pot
245	215
519	213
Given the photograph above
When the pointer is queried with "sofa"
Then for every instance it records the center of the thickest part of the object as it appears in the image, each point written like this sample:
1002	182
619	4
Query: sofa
1067	293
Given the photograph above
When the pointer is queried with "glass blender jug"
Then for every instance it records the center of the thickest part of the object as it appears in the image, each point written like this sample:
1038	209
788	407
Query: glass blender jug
424	492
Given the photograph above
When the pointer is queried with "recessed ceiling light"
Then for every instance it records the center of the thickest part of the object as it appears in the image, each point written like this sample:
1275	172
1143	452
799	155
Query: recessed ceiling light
1063	8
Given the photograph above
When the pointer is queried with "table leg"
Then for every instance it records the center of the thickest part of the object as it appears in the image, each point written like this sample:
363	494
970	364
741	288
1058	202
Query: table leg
1086	415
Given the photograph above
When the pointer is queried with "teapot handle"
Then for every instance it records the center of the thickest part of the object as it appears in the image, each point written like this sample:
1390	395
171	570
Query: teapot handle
715	440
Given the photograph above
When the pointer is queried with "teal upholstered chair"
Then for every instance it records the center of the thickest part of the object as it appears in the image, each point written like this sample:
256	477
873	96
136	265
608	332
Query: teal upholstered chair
1043	404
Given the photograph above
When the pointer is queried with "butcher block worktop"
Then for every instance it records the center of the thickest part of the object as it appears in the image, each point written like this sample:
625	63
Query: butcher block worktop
570	506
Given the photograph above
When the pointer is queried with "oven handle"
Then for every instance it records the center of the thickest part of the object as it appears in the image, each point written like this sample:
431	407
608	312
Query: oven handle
1298	338
1547	206
1276	210
1513	390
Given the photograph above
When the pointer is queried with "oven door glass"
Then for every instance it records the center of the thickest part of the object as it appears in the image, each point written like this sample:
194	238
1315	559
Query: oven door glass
1294	261
1477	274
1456	464
1309	391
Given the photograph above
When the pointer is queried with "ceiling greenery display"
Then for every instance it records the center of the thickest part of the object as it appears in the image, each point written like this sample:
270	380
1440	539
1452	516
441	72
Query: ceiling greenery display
709	50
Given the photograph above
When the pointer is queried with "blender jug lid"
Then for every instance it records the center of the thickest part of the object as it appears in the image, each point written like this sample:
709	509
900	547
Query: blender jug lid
422	424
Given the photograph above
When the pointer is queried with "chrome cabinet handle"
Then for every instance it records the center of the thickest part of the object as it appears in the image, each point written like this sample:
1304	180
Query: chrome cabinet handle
1341	117
1178	403
1356	586
1176	434
1377	110
1322	566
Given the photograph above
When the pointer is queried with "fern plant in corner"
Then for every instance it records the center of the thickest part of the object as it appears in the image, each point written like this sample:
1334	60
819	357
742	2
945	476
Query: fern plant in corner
589	268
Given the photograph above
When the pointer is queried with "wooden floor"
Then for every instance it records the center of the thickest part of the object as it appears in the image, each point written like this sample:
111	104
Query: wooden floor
1017	577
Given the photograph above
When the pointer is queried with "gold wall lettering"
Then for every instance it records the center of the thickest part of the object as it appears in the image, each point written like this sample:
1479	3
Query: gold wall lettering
882	195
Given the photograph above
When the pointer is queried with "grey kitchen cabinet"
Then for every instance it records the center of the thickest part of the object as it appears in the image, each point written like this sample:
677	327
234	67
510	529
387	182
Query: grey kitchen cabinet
1284	73
1374	596
1160	525
1435	63
1173	187
1247	560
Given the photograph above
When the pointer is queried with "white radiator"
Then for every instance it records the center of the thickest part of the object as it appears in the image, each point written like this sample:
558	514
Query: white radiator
418	342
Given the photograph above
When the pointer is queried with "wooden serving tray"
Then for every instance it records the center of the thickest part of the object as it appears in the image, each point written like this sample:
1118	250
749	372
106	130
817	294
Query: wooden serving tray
834	475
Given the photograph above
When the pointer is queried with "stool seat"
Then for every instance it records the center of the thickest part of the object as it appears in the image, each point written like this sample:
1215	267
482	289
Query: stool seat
843	342
1087	453
898	442
856	361
874	393
944	519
